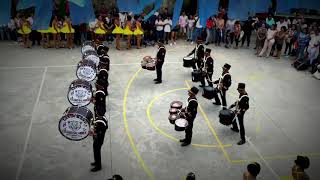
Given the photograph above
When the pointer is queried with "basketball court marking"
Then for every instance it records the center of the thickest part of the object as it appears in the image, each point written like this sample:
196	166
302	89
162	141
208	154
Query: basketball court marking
25	146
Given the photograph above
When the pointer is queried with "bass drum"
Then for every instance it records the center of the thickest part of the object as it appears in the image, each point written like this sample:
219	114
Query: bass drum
226	117
93	56
208	92
75	123
80	93
86	70
87	46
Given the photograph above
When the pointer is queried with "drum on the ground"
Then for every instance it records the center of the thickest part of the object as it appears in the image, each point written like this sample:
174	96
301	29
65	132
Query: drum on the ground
173	117
75	123
208	92
151	66
80	93
86	70
93	56
226	117
187	62
180	124
87	46
176	104
196	76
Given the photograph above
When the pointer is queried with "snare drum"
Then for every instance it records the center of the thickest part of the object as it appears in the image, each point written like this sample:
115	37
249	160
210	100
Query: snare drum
93	56
208	92
226	117
173	111
173	117
87	46
196	76
147	58
75	123
80	93
176	104
187	62
180	124
86	70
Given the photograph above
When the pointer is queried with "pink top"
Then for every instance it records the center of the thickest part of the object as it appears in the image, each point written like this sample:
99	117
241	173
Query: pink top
182	21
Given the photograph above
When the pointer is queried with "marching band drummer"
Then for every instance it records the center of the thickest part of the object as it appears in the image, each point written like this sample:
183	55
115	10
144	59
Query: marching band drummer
100	31
117	31
161	54
223	85
198	52
104	62
208	68
99	130
190	113
99	101
242	105
102	81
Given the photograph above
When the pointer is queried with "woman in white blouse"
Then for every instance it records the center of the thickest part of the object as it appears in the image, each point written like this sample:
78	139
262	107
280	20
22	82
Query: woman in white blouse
167	29
268	43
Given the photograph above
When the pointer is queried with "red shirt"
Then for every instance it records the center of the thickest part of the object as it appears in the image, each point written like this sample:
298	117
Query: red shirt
209	24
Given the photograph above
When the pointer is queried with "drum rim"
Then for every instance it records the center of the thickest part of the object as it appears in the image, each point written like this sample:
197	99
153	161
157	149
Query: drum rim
187	58
85	79
77	104
181	119
88	50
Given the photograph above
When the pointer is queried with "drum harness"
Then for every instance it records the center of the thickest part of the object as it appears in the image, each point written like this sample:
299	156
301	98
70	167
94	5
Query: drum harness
237	107
158	51
220	80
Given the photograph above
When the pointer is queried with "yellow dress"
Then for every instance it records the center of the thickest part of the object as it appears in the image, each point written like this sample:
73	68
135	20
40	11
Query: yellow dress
65	29
127	31
99	31
53	31
26	29
117	30
138	31
44	31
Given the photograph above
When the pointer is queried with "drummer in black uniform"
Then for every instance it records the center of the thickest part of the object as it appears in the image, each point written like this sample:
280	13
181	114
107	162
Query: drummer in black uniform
100	128
198	52
99	102
102	82
208	68
104	58
190	113
161	54
223	85
242	105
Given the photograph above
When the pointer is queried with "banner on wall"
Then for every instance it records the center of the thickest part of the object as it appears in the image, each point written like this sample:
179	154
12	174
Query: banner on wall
81	14
176	12
207	8
25	4
157	6
5	11
42	15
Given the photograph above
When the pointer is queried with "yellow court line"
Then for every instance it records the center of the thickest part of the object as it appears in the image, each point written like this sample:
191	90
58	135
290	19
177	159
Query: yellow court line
133	146
214	133
151	120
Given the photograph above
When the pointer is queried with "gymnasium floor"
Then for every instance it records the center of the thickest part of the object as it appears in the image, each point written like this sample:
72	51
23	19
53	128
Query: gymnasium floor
140	143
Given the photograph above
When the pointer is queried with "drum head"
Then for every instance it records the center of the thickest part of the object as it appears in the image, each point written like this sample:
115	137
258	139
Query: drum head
74	126
181	123
176	104
173	110
80	95
86	71
173	117
87	47
187	58
93	57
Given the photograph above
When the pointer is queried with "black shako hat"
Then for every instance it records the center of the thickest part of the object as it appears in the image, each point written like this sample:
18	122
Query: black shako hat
302	161
241	86
254	169
208	50
227	66
194	90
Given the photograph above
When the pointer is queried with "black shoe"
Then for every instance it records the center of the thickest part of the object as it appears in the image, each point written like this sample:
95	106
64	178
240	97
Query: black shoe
182	140
155	80
206	44
241	142
93	164
235	130
218	104
158	82
185	143
224	108
95	169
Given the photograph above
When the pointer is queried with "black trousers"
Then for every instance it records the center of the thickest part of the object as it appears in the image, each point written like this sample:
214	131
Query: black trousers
246	36
35	37
97	144
223	97
159	71
196	64
208	77
188	130
242	130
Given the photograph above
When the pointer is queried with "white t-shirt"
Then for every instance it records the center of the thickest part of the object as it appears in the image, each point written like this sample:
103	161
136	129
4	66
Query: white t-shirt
279	25
314	41
122	18
30	20
168	25
271	33
198	25
191	23
159	25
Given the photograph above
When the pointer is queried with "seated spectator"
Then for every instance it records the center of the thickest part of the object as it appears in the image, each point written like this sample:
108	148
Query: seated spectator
290	39
190	28
261	37
303	40
281	23
279	39
268	43
301	163
253	170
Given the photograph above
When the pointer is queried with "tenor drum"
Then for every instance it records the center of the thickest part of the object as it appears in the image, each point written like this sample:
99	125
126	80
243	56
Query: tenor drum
80	93
187	62
226	117
176	104
180	124
75	123
87	46
196	76
208	92
86	70
151	66
173	111
93	56
173	117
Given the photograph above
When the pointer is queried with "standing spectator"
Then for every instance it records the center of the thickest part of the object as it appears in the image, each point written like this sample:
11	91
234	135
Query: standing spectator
209	29
289	39
83	32
237	32
190	28
4	31
165	13
122	18
313	48
261	37
167	30
34	34
138	32
303	40
253	170
247	29
281	23
268	43
109	27
279	39
270	21
183	19
198	29
159	27
219	30
174	34
12	29
229	32
25	30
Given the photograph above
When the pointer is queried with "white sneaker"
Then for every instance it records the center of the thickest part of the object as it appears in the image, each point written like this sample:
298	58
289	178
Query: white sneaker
170	44
174	43
192	42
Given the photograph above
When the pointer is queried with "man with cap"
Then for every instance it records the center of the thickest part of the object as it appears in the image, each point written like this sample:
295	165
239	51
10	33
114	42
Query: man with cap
242	105
161	54
198	52
100	128
253	169
104	62
190	113
223	85
301	163
208	68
